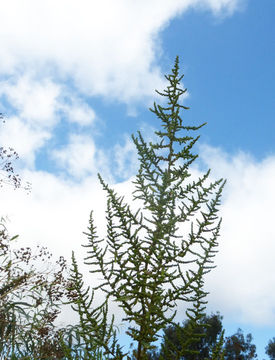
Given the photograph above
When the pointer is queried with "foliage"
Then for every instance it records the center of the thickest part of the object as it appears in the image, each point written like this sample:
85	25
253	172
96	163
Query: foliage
236	346
239	347
30	297
270	349
29	300
156	257
174	337
93	332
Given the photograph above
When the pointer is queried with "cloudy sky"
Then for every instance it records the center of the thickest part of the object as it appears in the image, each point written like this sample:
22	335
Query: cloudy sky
77	78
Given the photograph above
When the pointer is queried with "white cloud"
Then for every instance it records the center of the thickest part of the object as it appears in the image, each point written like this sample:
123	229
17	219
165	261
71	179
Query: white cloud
80	113
34	105
125	157
35	100
110	48
221	7
37	106
78	157
106	47
25	139
55	213
241	287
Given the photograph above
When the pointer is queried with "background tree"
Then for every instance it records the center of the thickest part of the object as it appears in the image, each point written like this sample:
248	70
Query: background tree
211	331
235	347
270	349
239	347
157	256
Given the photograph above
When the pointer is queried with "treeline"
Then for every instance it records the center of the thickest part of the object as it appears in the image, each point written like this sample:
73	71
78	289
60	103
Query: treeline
236	347
151	260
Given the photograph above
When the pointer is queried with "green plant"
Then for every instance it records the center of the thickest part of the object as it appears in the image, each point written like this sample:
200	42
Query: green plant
155	258
29	300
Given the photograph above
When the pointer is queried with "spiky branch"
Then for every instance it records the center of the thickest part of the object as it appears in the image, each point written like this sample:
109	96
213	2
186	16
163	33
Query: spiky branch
157	257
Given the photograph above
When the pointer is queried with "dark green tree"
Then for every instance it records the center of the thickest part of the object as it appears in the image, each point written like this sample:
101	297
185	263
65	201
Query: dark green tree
174	336
155	258
239	347
270	349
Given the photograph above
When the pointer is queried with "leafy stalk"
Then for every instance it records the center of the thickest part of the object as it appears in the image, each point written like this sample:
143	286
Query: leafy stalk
157	257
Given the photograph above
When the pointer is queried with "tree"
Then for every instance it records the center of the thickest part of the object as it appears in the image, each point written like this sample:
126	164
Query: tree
174	336
270	349
235	347
238	347
156	257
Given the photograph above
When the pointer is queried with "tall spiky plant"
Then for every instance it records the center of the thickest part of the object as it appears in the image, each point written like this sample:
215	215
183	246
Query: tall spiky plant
150	262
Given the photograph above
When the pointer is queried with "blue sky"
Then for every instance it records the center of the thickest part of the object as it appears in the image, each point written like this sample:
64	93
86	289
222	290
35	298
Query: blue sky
77	79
